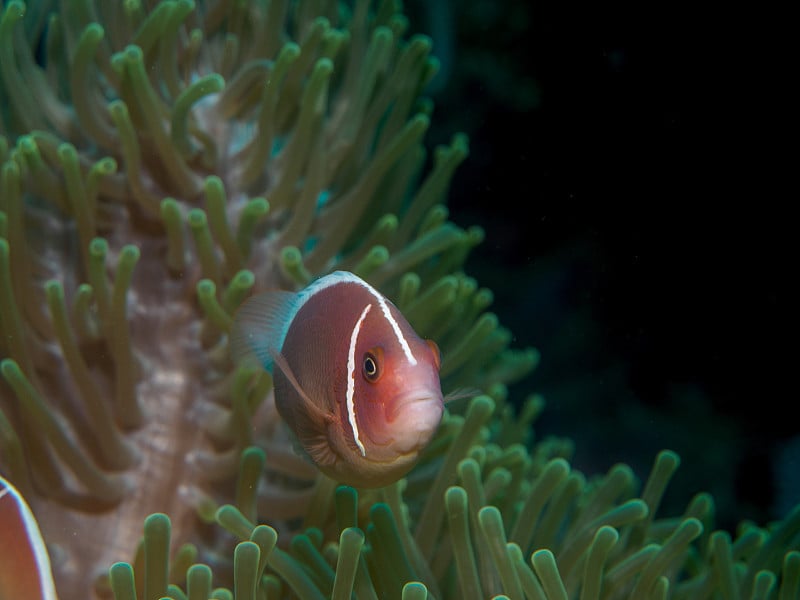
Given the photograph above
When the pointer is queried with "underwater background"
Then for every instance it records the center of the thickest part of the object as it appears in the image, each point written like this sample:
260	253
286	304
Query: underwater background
163	160
637	228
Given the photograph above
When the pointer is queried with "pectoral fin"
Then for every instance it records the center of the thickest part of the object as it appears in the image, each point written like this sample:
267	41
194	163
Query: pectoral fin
312	422
317	414
319	449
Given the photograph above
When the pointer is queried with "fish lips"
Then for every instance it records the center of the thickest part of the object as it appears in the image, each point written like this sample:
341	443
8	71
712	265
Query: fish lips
414	417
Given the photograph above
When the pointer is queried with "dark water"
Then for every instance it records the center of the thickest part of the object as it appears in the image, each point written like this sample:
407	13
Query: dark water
638	230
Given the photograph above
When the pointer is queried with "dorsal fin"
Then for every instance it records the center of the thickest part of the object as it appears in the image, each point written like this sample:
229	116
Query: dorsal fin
262	321
260	326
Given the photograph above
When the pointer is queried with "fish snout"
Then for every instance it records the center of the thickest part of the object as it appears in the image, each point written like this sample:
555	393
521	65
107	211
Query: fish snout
413	419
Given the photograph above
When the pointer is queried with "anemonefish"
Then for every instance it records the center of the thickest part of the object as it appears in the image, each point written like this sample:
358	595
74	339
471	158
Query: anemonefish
24	563
352	379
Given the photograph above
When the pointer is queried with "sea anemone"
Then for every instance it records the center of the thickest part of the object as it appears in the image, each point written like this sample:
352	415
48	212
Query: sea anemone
160	162
163	160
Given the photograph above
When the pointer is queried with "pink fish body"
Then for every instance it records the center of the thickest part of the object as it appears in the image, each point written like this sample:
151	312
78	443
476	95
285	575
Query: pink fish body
353	380
24	563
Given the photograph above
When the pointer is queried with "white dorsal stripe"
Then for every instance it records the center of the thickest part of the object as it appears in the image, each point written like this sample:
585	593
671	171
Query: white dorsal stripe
338	277
351	379
35	536
263	321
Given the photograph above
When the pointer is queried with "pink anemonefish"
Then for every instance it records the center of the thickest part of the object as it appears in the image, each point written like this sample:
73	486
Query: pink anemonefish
355	383
24	563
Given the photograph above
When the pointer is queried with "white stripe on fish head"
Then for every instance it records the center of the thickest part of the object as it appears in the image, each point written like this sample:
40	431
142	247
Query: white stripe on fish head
394	324
338	277
351	379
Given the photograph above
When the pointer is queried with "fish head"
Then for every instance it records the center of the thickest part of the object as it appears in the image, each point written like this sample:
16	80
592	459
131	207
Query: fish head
396	403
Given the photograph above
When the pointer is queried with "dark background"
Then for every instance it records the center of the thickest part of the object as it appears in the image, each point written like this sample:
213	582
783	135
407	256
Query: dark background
629	167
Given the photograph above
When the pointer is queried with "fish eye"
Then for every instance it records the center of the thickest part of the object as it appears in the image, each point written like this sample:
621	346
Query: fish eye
371	366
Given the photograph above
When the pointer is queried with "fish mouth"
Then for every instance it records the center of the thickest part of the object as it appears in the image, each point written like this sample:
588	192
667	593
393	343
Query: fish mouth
416	403
413	419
